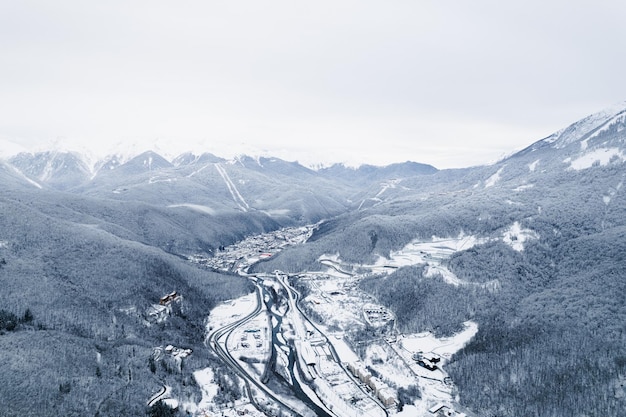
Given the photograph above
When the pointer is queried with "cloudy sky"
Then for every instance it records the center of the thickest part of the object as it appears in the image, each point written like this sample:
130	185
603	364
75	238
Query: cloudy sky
451	83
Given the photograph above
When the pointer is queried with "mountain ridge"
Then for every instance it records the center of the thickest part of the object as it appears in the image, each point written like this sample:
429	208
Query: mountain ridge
549	224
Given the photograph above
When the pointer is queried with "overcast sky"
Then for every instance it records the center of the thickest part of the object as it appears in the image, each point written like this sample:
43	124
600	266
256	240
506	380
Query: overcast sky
450	83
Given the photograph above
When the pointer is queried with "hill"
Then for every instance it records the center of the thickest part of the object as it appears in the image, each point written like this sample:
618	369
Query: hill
85	251
550	224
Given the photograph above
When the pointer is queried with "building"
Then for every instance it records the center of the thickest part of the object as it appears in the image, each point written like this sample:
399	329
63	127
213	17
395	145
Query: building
364	375
442	410
173	301
376	385
165	300
387	397
429	360
157	313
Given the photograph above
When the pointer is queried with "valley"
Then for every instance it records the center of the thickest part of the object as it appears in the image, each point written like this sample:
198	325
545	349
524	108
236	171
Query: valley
256	285
312	360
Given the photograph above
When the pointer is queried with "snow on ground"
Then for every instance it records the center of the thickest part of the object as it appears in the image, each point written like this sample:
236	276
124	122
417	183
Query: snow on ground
163	394
209	388
619	120
344	351
493	180
572	133
433	386
389	365
443	272
444	347
430	253
277	212
515	236
584	144
195	207
234	192
198	171
230	311
408	411
532	166
524	187
21	174
419	252
601	155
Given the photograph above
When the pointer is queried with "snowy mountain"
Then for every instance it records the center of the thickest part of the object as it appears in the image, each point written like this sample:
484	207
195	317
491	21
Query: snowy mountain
530	248
61	170
547	279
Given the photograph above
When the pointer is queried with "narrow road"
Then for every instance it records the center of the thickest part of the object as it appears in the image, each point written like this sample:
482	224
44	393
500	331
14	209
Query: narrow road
222	352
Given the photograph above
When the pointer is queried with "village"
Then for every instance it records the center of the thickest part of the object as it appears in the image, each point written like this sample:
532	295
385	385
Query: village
356	377
252	249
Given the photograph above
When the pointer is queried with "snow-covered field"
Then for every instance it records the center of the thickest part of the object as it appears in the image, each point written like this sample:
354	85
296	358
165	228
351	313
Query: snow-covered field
429	253
230	311
434	250
444	347
601	156
515	236
433	384
204	379
195	207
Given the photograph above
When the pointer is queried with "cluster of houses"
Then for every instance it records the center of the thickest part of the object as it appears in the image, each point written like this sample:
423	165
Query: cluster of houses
177	352
170	304
378	316
429	360
381	390
255	247
442	410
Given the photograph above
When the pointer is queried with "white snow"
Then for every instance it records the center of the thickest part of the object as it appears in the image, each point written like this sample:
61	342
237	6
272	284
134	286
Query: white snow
232	188
419	252
198	171
230	311
209	388
494	179
532	166
601	155
619	119
277	212
157	179
515	236
432	383
577	130
443	272
345	353
524	187
408	411
195	207
611	193
24	177
584	144
444	347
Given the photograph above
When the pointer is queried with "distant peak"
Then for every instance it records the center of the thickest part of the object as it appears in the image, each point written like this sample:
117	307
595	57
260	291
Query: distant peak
577	131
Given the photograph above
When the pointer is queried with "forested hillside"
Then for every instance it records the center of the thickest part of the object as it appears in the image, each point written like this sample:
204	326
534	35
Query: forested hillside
73	330
84	252
552	319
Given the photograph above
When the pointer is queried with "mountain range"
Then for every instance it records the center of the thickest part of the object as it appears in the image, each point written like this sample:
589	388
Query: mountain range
86	246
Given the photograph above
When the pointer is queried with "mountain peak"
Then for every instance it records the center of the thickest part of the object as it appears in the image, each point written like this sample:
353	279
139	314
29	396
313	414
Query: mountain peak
587	126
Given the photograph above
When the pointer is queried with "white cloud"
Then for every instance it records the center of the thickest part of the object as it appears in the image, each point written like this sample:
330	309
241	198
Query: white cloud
447	83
